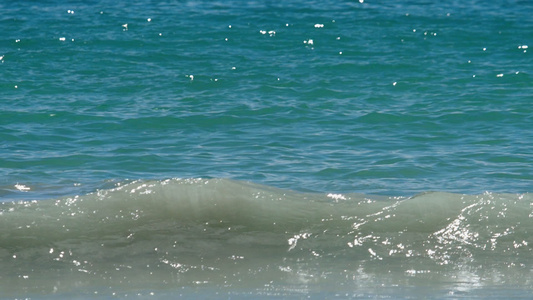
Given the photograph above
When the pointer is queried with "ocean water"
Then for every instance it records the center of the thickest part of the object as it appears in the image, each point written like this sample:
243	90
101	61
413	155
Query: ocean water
266	149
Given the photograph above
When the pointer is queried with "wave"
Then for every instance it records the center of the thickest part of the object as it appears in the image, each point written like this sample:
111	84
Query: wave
220	233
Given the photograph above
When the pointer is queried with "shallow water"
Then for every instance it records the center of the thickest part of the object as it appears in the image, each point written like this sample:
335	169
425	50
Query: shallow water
228	238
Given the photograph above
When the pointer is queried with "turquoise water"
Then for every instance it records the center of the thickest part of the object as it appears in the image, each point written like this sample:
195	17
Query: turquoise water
323	105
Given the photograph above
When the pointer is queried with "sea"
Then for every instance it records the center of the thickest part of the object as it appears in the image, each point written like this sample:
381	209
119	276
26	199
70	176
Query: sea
260	149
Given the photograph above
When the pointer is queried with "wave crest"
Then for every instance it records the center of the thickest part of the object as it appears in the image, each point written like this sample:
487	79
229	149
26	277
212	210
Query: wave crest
192	229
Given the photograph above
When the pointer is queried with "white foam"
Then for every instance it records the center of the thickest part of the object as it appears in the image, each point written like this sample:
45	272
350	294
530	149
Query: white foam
21	187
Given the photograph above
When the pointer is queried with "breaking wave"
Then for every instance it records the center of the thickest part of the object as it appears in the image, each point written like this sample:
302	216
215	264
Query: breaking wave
219	233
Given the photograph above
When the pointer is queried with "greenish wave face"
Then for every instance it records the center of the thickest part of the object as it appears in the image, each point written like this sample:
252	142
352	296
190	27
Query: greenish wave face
182	235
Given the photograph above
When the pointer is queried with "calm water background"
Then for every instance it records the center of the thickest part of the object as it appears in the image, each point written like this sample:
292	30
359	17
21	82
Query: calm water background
390	98
371	97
